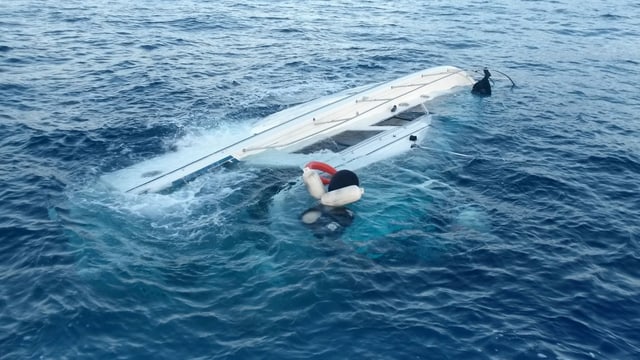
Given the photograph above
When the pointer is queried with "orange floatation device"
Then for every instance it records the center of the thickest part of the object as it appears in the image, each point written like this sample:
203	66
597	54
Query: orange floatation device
324	167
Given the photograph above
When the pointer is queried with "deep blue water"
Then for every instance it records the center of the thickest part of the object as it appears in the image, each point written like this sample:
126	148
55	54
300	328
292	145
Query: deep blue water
512	234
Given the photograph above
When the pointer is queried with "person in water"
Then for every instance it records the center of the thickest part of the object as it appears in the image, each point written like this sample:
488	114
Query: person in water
327	221
331	221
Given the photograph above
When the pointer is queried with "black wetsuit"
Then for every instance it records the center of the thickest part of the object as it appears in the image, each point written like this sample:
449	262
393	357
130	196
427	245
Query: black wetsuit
327	221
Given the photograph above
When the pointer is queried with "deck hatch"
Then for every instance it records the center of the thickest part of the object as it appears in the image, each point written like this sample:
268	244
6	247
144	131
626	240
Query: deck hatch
340	141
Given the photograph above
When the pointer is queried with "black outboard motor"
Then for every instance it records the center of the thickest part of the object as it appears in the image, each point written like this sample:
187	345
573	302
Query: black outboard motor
483	87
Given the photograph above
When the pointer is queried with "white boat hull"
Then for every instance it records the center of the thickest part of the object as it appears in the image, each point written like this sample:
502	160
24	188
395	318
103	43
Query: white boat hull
293	130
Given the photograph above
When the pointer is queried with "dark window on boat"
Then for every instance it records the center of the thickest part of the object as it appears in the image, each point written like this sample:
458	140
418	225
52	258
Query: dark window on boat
340	141
403	117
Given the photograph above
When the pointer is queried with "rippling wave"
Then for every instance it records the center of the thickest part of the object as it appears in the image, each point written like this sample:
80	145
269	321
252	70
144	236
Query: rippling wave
511	233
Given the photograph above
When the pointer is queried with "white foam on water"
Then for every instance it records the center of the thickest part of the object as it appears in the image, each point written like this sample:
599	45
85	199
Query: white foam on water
471	218
194	145
112	231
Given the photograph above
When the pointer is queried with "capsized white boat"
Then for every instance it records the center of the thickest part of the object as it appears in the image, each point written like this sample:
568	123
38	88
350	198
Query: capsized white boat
349	129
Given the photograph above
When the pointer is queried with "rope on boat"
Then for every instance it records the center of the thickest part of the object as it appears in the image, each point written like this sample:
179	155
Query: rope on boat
513	84
472	157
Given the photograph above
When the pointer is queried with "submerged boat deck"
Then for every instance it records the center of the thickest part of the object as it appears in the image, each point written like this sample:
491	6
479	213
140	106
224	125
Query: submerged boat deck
343	140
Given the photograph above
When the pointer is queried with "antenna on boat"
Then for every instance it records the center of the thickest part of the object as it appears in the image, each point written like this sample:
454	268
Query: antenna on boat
513	84
486	83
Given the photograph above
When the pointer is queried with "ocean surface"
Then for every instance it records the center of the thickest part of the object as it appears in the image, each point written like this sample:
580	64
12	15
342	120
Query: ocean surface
512	233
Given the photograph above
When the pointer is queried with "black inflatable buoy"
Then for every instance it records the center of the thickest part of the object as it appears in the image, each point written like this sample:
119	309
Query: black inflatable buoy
483	87
343	178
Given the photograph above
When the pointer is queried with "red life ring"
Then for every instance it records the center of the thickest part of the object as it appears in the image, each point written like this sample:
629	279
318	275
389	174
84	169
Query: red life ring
317	165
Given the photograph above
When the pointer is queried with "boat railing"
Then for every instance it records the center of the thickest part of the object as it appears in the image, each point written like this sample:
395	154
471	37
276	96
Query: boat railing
340	121
415	86
281	145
